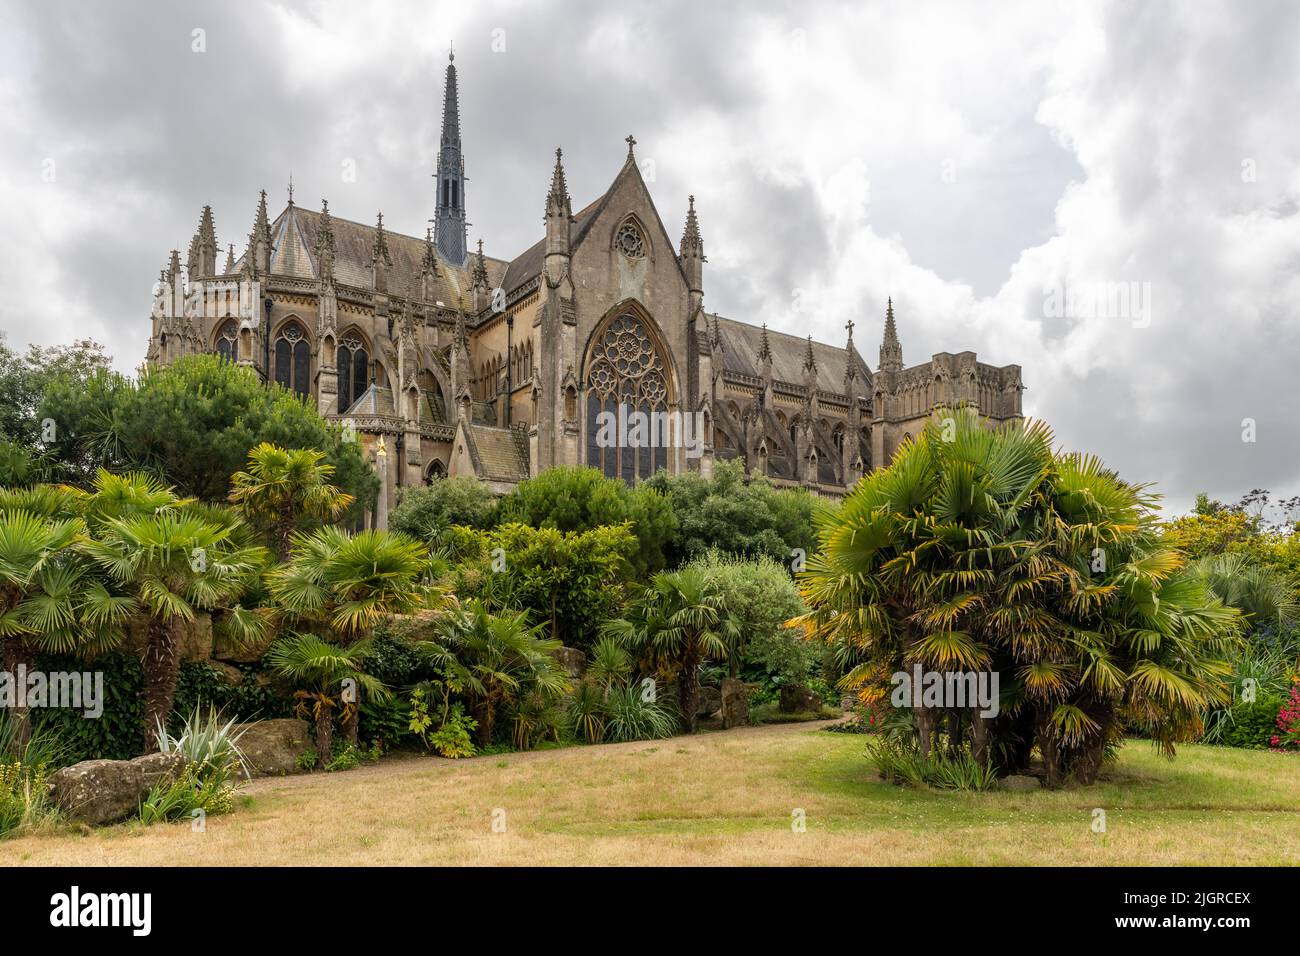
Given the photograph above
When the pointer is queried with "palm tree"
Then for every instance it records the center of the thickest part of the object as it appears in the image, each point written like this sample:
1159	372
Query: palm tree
979	548
342	585
679	619
174	562
324	667
1262	594
51	598
500	658
282	486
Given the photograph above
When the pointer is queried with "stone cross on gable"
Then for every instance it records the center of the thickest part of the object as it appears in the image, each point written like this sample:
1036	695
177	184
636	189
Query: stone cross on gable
849	325
631	141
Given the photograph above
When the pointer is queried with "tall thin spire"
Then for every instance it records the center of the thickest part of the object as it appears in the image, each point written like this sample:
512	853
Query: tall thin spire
692	244
325	243
449	220
557	200
764	347
891	351
809	360
850	363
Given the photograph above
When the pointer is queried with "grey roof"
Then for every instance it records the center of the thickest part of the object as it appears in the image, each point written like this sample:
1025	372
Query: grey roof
528	264
741	343
502	452
294	235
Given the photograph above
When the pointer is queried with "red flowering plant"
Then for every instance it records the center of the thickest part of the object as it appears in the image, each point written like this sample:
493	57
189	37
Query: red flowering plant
1288	722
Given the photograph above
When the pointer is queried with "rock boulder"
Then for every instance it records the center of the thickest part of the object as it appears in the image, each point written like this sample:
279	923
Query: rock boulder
272	747
106	791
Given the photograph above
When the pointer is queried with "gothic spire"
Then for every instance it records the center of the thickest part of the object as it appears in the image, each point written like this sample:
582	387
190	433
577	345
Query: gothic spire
692	244
480	269
809	360
381	260
850	365
230	258
325	242
258	257
381	242
557	200
449	219
891	351
764	347
429	263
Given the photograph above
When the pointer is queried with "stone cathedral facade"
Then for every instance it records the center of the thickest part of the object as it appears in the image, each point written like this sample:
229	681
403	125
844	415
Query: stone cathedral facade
468	364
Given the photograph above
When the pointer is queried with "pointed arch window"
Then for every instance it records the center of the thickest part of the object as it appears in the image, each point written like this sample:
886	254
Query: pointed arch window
627	374
227	340
354	371
293	359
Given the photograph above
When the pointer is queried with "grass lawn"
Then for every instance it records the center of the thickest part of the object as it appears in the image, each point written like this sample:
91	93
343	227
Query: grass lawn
719	798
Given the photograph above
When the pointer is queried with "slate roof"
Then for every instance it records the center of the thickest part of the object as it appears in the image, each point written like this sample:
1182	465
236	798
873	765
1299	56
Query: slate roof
502	452
741	343
529	263
293	238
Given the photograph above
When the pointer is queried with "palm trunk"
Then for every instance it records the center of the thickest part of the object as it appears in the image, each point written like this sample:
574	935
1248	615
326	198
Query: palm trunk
954	732
20	719
981	733
352	725
283	534
324	737
1051	751
688	689
162	666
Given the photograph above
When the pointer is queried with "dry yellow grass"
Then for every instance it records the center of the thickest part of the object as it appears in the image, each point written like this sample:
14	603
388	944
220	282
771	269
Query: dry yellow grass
723	798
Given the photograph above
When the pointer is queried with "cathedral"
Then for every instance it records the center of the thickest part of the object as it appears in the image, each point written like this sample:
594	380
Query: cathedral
444	360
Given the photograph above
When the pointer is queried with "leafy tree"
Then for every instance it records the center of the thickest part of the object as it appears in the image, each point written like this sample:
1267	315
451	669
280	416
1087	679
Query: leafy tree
284	486
580	499
760	597
428	512
568	582
736	515
193	423
679	620
323	667
24	380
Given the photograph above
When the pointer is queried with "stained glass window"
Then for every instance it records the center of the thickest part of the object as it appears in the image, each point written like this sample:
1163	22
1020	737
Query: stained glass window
626	370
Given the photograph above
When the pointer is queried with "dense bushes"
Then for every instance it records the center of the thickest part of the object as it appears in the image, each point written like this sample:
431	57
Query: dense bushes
192	423
118	734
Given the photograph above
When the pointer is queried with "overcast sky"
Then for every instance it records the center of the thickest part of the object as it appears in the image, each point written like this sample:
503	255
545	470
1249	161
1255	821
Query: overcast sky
994	167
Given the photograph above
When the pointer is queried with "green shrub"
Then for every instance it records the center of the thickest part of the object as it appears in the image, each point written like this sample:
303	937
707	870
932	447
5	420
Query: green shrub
192	790
209	744
629	715
427	513
901	762
453	739
1249	725
345	757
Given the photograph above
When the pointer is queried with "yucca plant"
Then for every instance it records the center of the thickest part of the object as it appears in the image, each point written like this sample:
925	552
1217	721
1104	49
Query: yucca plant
208	743
632	715
587	712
